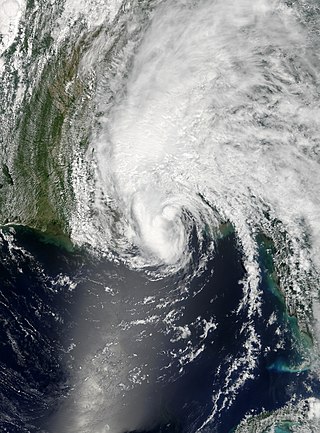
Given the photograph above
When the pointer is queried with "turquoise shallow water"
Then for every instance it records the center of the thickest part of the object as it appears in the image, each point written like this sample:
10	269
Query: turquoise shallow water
177	144
57	316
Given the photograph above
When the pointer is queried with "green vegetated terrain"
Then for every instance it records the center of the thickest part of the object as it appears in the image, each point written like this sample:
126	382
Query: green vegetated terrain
42	160
293	319
36	166
48	111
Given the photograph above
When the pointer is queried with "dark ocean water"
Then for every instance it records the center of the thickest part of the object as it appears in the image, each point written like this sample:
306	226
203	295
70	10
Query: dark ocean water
49	326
